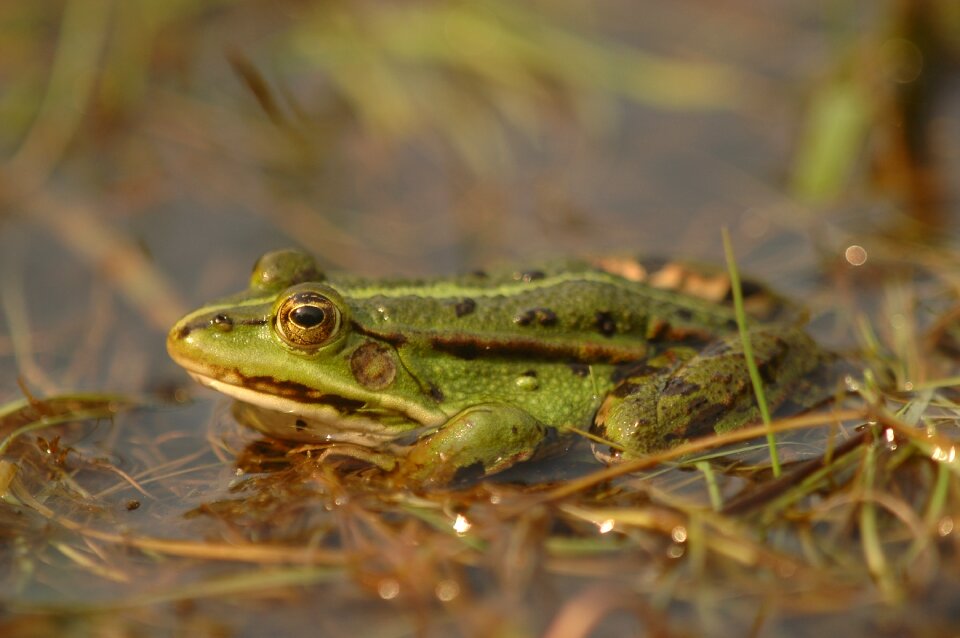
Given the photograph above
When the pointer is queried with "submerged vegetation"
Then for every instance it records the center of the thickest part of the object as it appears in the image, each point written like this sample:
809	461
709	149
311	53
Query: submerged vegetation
860	524
127	134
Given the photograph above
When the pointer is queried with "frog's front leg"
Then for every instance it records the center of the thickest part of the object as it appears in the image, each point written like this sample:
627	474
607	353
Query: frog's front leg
484	439
710	392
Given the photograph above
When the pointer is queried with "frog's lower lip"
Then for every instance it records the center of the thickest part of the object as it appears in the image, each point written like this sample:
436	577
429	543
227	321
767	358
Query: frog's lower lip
332	410
288	405
321	423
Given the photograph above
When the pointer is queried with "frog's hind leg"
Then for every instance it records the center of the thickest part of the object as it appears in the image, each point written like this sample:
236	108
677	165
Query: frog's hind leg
709	393
478	441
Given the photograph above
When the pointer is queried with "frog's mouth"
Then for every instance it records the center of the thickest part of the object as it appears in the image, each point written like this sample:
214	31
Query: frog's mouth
313	416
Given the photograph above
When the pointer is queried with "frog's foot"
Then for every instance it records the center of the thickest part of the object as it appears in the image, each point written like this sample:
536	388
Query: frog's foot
386	461
709	393
479	441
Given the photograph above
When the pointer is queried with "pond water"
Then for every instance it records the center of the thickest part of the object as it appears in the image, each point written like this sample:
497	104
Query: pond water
410	139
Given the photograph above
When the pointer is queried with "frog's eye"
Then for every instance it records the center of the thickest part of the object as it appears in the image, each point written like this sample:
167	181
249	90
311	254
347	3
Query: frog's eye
307	319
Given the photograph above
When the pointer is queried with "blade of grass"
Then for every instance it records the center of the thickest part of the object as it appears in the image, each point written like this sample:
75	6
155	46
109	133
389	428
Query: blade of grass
716	501
776	495
83	30
870	534
84	561
935	510
651	460
748	350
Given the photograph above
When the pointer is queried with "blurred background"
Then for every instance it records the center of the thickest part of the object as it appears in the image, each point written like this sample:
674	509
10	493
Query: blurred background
151	150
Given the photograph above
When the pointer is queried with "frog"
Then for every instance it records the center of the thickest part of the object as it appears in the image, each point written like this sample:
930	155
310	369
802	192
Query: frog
442	379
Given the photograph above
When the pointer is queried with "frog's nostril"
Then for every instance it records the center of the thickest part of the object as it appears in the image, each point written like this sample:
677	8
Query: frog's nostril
222	322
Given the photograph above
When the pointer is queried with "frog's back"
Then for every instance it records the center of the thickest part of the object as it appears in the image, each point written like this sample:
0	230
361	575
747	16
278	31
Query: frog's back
588	311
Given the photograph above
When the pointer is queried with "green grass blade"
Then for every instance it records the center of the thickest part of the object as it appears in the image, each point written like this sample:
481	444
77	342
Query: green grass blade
748	349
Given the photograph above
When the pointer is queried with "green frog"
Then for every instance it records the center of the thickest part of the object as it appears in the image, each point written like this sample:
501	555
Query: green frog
443	378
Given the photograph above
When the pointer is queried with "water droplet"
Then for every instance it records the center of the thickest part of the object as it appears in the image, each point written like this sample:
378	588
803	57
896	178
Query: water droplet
891	438
901	59
945	526
948	455
527	383
855	255
388	588
461	526
446	590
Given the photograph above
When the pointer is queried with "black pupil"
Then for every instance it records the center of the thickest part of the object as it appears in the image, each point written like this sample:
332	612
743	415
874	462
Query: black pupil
307	316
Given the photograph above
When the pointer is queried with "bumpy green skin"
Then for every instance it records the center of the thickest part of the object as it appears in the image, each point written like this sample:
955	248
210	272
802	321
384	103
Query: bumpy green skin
711	391
475	373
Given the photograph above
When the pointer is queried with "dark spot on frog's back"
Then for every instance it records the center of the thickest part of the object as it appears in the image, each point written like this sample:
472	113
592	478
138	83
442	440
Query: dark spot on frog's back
605	323
579	369
772	359
659	330
720	347
542	316
626	389
634	369
705	421
465	307
679	387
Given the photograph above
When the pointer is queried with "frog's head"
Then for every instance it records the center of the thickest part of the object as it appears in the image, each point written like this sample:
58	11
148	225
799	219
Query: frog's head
288	344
